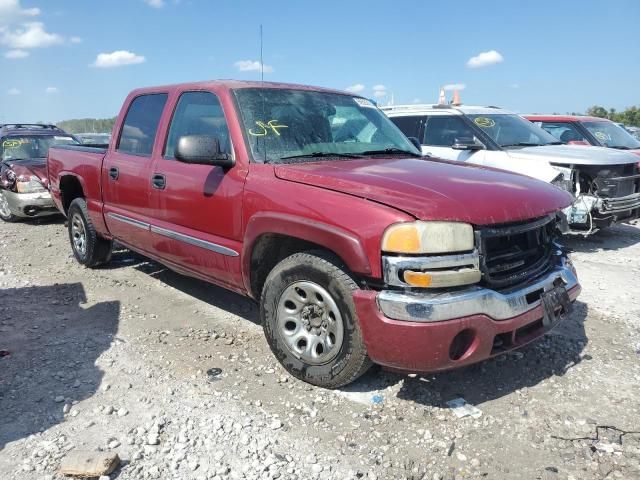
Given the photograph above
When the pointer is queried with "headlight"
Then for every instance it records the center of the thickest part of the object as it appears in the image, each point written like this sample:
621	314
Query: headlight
29	185
428	237
564	179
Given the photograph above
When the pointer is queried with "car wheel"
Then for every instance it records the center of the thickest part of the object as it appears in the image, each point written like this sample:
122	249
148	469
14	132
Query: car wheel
88	247
5	211
310	321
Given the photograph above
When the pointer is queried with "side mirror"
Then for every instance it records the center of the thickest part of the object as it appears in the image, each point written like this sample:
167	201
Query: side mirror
416	142
467	143
202	149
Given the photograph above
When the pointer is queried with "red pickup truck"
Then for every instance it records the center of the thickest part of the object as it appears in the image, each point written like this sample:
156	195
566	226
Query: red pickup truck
314	204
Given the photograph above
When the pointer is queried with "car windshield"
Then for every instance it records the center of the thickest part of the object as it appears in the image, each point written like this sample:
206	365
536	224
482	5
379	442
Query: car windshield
287	125
509	130
611	135
23	147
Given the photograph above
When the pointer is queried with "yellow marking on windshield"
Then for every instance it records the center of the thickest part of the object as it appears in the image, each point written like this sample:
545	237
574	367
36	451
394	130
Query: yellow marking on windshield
484	122
14	143
265	128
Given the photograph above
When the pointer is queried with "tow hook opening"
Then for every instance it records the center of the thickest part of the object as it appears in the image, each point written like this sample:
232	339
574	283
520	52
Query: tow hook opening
31	210
461	344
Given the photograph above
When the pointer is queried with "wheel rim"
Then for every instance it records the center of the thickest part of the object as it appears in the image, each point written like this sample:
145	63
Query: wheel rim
310	323
5	211
78	234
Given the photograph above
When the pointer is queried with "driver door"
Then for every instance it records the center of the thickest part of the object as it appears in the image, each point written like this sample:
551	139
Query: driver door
440	134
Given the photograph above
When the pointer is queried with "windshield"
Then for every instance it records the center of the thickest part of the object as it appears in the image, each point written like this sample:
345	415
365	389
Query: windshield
22	147
611	135
509	130
289	125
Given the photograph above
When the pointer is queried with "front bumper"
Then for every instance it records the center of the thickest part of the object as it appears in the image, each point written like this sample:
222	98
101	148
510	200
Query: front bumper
424	332
30	205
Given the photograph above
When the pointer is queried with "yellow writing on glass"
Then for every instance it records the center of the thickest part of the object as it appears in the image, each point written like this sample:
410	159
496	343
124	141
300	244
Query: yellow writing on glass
265	128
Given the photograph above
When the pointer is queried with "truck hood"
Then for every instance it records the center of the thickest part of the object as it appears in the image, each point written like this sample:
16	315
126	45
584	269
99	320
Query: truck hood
434	189
574	155
30	167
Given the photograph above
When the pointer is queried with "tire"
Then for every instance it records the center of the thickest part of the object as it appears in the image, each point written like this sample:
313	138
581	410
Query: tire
5	213
88	247
310	322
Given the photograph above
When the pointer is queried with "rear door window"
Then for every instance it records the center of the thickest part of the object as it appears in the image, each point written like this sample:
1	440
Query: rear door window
563	131
410	126
442	130
141	124
198	113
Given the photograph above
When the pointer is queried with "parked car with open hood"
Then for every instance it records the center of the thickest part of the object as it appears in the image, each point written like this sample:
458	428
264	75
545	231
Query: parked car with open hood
584	130
23	179
314	204
604	182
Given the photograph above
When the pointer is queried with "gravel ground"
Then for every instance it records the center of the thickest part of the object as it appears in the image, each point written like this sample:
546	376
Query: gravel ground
175	376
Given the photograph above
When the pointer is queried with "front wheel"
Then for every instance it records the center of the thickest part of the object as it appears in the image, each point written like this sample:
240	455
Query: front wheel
88	247
310	322
5	211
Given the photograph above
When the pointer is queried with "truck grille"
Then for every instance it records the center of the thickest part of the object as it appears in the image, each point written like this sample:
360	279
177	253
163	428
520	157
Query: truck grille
510	254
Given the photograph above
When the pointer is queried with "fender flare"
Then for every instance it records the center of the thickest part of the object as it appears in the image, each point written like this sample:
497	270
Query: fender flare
343	243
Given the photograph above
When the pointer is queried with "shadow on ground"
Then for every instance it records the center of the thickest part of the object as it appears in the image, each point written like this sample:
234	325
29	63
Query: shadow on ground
206	292
552	355
52	344
613	238
48	220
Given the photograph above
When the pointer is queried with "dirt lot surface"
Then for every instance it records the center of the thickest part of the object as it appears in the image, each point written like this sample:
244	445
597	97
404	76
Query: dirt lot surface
175	376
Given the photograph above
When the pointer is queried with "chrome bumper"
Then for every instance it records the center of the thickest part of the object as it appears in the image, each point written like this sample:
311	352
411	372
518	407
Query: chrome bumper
30	205
436	307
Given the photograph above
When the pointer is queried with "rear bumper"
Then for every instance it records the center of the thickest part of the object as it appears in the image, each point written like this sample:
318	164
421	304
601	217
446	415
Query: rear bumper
30	205
440	332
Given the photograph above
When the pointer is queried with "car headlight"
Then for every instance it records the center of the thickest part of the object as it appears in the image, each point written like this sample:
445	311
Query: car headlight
29	185
428	237
564	179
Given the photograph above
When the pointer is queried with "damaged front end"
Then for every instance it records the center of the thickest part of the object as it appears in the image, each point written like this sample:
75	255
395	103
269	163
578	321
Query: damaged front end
604	195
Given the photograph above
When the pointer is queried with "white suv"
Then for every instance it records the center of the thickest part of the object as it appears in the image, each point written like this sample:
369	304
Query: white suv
605	182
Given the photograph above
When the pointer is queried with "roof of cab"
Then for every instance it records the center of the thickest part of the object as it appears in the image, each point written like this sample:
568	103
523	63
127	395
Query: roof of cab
564	118
418	109
30	128
233	84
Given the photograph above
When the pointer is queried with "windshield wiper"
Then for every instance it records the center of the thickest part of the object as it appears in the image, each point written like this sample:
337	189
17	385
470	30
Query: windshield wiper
322	155
619	147
554	143
522	144
387	151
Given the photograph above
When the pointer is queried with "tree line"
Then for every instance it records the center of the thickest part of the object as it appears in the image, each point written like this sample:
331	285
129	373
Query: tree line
87	125
630	116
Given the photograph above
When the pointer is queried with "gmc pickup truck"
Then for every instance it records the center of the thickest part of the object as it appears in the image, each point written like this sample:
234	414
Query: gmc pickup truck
313	203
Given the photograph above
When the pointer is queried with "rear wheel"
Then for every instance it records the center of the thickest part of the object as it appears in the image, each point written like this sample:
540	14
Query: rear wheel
5	211
88	247
310	322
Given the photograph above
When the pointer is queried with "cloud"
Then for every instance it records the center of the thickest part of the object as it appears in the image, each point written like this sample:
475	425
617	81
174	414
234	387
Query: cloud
454	86
155	3
118	58
13	54
51	90
356	88
252	66
75	40
13	91
29	35
11	10
379	91
484	59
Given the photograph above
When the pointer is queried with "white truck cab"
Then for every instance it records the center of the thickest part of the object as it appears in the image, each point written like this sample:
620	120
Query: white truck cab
605	182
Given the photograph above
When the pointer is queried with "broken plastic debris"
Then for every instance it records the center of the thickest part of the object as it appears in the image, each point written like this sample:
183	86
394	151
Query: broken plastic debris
214	374
463	409
377	399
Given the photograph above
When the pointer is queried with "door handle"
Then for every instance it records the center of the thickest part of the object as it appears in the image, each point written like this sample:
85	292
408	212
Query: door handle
158	181
113	173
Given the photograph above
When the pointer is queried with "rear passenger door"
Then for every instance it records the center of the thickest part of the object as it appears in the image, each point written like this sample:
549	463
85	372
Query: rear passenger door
441	132
197	220
127	167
